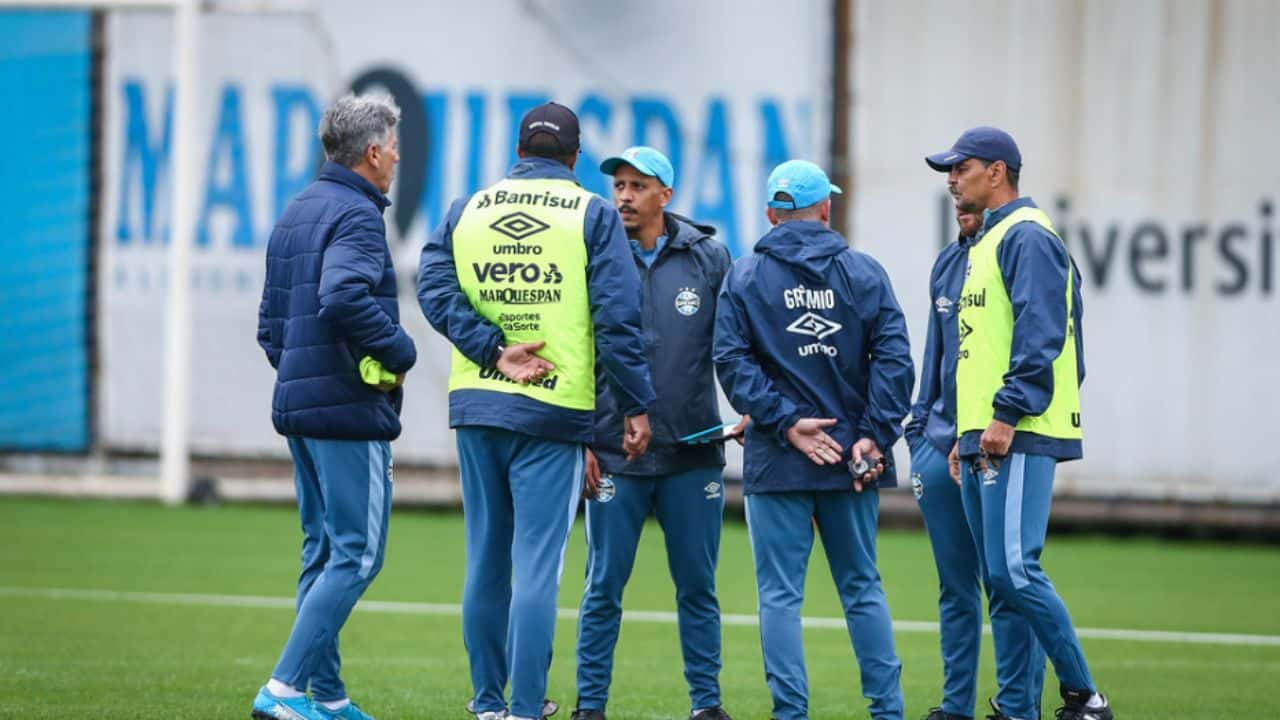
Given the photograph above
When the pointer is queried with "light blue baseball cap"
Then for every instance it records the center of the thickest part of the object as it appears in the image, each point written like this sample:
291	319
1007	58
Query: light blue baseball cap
805	182
645	159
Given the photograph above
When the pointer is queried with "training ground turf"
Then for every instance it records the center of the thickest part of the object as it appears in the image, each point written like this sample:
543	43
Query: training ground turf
175	637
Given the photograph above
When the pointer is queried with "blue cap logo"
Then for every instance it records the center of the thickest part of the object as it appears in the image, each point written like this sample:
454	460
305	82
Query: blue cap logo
644	159
805	182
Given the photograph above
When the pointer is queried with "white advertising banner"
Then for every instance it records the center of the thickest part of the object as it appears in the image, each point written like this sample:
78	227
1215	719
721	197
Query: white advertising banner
693	79
1147	132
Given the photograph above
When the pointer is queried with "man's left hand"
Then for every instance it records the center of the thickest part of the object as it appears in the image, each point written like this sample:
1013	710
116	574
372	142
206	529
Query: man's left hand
996	439
737	432
388	387
522	364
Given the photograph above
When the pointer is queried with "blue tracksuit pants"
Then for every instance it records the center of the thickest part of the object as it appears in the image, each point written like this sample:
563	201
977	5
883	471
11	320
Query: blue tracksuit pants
689	506
1009	516
344	499
1019	657
781	527
519	496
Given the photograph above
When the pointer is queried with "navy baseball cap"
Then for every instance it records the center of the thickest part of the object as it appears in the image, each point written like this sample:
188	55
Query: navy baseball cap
983	142
553	119
805	182
644	159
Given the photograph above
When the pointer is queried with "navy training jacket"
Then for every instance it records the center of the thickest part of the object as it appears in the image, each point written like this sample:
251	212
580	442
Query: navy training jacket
613	289
808	327
933	416
678	317
328	300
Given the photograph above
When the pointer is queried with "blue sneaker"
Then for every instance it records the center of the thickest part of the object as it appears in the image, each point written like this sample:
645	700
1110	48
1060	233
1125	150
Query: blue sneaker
269	707
349	712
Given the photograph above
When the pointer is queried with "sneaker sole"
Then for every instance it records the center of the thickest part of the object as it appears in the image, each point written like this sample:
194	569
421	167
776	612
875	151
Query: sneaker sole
260	715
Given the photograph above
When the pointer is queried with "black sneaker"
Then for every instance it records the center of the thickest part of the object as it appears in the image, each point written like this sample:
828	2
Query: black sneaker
715	713
591	714
938	714
1075	706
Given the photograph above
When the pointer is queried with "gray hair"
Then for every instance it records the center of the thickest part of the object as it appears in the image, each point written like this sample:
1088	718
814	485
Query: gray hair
812	212
353	123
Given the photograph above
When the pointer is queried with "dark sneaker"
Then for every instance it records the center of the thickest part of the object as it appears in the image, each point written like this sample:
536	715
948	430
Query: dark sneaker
995	711
589	714
1075	706
492	715
715	713
938	714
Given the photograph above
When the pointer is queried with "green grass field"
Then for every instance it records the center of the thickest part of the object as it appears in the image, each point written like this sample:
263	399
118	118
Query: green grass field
135	655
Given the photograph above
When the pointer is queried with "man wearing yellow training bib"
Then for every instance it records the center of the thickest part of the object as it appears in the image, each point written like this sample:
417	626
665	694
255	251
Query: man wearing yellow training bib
532	281
1018	371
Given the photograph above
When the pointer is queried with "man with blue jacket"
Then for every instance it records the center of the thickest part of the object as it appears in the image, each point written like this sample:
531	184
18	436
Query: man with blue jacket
529	279
931	433
681	267
1017	382
330	325
811	343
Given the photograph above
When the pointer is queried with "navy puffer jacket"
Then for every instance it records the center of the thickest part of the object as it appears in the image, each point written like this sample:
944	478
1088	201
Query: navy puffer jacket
330	299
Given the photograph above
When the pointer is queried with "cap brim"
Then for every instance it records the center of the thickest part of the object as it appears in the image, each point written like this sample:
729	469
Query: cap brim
943	161
835	189
610	167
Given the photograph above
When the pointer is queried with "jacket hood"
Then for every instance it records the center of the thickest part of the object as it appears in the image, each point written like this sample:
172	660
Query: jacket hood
683	232
807	245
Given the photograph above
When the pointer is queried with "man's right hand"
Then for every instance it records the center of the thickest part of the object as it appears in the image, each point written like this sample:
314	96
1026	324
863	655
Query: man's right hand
520	362
808	437
635	436
953	462
591	483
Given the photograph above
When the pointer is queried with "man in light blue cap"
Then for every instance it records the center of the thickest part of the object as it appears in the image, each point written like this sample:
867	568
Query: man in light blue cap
681	267
811	343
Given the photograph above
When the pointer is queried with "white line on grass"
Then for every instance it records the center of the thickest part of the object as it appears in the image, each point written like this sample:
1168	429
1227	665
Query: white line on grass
651	616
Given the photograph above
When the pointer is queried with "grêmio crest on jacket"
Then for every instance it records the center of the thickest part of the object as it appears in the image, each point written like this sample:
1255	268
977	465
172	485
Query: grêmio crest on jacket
688	301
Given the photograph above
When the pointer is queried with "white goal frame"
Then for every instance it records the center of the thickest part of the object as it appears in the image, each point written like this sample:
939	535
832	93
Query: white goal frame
175	443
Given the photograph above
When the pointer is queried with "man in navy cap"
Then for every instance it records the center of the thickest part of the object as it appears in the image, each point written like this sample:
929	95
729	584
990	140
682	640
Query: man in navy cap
811	343
1019	365
527	278
681	266
931	433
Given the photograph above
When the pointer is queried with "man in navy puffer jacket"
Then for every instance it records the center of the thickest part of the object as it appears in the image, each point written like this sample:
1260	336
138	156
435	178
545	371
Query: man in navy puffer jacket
330	325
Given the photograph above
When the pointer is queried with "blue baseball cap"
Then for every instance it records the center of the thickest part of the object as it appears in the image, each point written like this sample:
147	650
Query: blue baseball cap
983	142
803	181
645	159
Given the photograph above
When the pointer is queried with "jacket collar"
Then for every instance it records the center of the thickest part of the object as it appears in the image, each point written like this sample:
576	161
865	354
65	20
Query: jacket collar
536	168
343	175
990	218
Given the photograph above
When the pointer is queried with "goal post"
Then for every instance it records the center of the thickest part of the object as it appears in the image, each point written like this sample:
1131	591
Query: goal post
185	172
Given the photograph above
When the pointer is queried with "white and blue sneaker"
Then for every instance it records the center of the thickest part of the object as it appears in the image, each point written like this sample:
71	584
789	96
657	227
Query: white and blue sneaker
350	711
269	707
